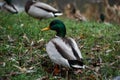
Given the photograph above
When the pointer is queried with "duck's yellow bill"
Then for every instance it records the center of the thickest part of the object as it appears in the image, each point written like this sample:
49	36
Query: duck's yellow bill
45	29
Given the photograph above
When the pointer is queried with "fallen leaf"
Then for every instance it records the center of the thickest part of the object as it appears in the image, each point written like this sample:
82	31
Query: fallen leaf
21	25
117	57
108	51
43	78
96	48
3	64
117	41
10	39
26	38
23	70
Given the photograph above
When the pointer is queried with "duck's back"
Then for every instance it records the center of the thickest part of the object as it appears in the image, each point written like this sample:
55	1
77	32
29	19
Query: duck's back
45	7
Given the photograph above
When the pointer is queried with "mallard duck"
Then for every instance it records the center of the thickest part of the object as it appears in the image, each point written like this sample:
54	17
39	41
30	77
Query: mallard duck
10	7
41	10
63	50
102	17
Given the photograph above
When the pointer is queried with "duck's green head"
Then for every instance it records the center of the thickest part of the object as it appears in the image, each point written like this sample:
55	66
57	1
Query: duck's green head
57	26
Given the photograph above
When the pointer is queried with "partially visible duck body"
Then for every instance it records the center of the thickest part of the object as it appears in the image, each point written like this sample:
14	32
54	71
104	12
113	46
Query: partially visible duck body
41	10
10	8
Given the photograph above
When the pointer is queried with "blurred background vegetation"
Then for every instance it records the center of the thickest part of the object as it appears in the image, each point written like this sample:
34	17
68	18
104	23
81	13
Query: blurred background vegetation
90	9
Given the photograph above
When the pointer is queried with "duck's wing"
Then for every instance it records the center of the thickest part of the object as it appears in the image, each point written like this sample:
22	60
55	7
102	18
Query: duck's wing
75	48
67	48
45	7
76	52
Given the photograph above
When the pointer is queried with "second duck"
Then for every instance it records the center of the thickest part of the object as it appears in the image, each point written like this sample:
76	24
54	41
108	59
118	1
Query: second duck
41	10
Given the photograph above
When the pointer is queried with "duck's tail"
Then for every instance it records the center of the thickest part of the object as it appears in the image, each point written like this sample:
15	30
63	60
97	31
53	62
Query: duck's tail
58	13
76	64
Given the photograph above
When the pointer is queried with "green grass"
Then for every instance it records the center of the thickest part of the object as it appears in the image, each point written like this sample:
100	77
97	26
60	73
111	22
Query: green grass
20	52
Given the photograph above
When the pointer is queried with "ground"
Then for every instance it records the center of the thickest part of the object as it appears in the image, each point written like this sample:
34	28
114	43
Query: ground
23	55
